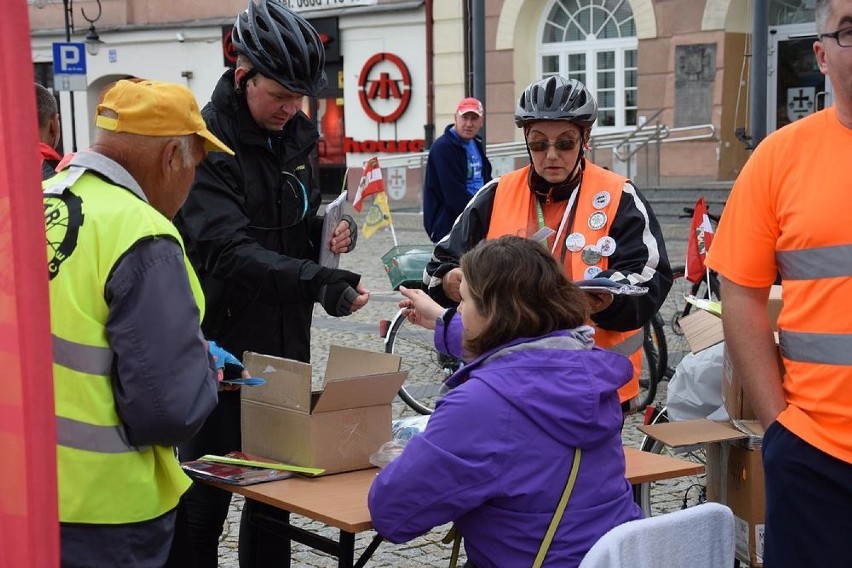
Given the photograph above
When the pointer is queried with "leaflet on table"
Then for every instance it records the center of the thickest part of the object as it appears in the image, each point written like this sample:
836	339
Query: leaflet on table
332	217
233	474
610	287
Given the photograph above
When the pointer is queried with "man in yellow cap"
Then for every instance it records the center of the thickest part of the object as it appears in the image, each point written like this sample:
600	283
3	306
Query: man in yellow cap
132	372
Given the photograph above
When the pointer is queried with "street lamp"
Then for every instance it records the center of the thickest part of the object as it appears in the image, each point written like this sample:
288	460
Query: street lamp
93	44
93	41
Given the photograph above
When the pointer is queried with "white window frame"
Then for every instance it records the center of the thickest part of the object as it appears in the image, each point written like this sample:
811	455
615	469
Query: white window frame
590	48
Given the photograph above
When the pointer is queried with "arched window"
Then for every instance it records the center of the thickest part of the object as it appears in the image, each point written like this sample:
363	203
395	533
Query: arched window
595	42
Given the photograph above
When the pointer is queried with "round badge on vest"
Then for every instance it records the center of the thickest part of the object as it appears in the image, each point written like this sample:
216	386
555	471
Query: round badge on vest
591	272
601	199
597	220
591	254
575	242
606	246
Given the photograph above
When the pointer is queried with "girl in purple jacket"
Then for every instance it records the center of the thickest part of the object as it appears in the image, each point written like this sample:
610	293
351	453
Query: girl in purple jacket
498	450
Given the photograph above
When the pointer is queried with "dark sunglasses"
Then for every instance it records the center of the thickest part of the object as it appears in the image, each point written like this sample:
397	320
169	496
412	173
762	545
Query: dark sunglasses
561	145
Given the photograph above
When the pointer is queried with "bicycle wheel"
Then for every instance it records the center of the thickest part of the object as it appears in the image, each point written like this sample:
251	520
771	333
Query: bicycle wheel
677	307
667	495
654	359
427	369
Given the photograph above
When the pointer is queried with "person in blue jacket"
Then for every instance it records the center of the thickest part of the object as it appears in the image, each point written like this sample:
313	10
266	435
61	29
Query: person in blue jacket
456	169
497	452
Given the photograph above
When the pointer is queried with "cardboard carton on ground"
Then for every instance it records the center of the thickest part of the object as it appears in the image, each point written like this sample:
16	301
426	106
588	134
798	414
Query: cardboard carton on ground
734	475
735	478
336	428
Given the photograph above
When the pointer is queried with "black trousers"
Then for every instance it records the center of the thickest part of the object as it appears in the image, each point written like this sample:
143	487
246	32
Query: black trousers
808	503
206	508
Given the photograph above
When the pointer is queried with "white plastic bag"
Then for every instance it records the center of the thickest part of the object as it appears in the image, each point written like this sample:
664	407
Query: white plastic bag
695	390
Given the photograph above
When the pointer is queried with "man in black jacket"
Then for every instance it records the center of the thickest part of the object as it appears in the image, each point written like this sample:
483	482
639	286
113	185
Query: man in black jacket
252	231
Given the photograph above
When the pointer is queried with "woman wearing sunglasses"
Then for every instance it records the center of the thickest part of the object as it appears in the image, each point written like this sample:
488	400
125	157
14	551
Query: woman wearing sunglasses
595	222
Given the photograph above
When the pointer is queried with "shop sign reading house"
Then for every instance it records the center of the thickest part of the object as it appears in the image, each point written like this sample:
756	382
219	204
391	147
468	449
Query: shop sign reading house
384	91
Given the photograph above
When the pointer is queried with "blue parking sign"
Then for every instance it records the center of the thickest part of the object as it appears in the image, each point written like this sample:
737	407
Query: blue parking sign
69	58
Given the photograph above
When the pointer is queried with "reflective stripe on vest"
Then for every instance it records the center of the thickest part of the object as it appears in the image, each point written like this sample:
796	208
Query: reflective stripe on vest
815	264
82	358
102	478
823	348
512	214
631	343
83	436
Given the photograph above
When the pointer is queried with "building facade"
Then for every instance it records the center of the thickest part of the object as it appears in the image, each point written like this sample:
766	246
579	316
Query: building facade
676	68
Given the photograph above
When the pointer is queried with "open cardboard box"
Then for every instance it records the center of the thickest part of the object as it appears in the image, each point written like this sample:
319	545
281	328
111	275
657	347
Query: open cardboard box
734	475
703	329
335	428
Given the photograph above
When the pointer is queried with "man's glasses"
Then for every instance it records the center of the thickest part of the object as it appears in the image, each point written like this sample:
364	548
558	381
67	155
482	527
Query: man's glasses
561	145
843	37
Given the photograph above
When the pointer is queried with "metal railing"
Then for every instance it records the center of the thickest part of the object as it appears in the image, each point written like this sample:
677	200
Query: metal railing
625	148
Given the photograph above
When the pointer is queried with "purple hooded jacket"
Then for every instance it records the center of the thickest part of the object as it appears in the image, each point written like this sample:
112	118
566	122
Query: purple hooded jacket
497	452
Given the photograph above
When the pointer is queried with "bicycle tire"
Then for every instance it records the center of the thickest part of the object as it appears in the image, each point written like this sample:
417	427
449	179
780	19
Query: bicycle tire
654	360
676	307
667	495
427	369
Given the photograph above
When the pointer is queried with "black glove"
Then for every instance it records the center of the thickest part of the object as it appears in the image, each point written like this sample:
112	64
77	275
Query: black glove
353	231
337	291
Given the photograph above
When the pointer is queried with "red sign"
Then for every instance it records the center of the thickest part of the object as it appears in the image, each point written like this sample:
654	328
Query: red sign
380	85
229	53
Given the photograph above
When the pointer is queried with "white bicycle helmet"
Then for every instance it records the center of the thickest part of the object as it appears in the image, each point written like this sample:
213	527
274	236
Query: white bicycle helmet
282	46
556	98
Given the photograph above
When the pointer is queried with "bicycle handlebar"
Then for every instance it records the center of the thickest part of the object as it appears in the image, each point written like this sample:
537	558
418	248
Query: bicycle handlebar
688	212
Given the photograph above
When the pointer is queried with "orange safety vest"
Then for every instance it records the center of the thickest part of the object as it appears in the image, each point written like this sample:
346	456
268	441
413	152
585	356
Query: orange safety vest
515	213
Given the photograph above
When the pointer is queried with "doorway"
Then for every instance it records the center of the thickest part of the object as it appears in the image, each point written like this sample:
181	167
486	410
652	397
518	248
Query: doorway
795	88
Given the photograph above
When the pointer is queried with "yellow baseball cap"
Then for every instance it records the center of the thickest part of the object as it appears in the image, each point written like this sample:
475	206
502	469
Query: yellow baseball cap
155	108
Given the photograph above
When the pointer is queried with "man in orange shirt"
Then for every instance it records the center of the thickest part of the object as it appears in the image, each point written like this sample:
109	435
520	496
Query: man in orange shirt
779	218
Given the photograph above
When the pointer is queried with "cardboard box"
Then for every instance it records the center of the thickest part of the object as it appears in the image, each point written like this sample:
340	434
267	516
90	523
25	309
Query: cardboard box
734	475
335	428
736	403
703	329
735	478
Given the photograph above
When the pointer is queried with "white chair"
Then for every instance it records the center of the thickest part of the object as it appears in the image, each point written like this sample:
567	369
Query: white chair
696	537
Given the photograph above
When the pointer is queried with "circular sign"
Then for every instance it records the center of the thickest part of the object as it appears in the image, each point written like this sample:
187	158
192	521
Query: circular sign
384	87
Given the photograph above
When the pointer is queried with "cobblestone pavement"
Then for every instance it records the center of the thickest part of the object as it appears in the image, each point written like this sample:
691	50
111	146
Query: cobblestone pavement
361	330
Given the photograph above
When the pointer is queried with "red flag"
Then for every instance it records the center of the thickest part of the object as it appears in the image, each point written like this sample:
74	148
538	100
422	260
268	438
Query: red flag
700	237
371	182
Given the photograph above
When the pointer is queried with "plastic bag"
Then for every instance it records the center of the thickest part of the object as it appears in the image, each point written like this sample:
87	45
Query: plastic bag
388	452
406	428
402	431
695	390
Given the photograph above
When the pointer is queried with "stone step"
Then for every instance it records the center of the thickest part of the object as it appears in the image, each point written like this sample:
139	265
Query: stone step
668	203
